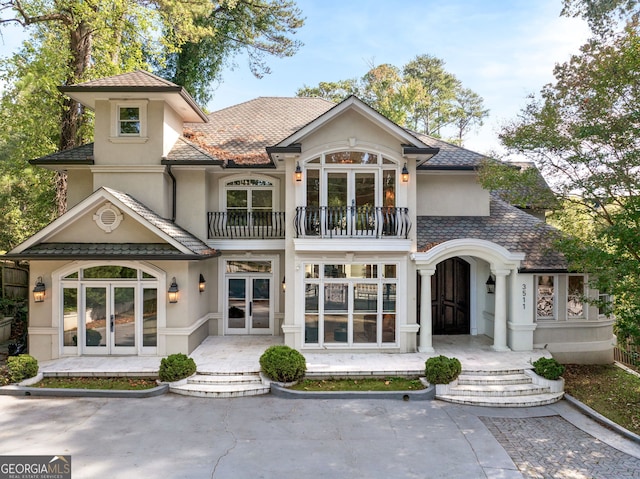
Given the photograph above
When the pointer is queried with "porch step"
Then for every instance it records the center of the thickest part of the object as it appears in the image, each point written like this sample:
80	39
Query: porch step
222	386
507	388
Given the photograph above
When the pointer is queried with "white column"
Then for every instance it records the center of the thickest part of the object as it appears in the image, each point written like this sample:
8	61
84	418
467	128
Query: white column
500	315
426	334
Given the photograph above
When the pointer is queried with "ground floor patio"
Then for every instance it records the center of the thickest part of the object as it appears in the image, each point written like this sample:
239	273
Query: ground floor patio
240	354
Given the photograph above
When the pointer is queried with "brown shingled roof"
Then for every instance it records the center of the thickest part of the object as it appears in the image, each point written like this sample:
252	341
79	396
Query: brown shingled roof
515	230
136	79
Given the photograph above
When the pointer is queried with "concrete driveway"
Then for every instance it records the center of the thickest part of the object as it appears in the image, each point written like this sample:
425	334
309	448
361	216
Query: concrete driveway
267	437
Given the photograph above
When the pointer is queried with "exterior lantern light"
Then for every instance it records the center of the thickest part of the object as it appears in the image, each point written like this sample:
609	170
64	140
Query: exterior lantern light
298	173
39	290
491	285
201	284
173	291
405	174
284	284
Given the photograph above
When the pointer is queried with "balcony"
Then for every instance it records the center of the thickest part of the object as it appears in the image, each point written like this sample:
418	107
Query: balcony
352	222
246	224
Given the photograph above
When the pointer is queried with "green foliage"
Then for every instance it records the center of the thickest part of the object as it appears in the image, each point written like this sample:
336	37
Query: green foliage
442	370
548	368
175	367
283	364
582	132
22	367
422	96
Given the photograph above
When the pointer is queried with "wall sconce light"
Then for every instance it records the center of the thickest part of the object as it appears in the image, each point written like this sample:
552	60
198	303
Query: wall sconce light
173	291
491	285
284	284
405	174
201	284
298	173
39	290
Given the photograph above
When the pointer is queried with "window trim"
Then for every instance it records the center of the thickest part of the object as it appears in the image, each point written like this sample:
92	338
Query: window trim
116	135
554	316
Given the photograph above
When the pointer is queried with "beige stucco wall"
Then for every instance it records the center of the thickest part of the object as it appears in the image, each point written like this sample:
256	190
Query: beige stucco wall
191	204
451	194
79	185
85	230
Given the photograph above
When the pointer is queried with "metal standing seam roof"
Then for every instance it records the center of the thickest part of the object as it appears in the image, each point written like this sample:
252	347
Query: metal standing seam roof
515	230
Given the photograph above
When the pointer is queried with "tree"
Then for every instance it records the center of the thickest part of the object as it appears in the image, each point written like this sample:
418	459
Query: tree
602	15
422	96
584	133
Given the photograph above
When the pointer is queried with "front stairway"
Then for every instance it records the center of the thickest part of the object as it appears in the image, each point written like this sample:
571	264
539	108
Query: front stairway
221	385
502	388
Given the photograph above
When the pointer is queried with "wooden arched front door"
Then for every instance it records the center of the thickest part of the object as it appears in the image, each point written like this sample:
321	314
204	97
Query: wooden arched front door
450	297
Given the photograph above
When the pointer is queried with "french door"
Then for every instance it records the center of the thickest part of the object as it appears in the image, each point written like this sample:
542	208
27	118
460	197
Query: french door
249	306
109	319
351	198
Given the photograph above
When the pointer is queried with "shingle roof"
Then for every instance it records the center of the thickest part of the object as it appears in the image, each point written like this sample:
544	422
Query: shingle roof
185	238
102	251
136	79
450	155
515	230
184	150
79	154
243	132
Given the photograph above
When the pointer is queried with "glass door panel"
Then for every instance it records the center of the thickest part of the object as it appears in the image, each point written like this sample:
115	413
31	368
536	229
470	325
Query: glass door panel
365	202
150	317
237	305
95	323
260	304
124	317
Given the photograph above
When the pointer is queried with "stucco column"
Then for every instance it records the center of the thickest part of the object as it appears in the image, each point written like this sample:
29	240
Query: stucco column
426	329
500	315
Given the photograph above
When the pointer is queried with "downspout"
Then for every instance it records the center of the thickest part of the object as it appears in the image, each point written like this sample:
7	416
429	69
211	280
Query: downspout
174	188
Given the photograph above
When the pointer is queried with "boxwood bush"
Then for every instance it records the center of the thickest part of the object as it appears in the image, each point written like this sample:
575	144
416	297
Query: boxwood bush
283	364
548	368
21	367
442	370
175	367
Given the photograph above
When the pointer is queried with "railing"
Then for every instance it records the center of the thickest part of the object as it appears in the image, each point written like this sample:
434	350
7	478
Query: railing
352	222
246	224
628	354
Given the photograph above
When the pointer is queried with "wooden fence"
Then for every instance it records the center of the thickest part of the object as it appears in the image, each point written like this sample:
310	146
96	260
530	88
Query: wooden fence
628	354
14	281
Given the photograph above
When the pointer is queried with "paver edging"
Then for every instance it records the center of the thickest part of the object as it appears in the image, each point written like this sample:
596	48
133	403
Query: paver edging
421	395
596	416
23	389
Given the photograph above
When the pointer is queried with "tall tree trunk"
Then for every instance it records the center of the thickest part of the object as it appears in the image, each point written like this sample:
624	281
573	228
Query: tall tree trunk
80	45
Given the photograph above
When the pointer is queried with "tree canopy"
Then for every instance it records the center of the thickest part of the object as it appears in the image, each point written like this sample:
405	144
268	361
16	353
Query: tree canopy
422	96
583	132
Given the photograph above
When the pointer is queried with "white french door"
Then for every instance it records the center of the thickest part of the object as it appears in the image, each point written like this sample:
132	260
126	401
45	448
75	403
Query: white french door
249	305
109	319
351	198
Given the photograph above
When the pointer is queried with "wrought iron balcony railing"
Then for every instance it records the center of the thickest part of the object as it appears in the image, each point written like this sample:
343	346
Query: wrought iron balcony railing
246	224
352	222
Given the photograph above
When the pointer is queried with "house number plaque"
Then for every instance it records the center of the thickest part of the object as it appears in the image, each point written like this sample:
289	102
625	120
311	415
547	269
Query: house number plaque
524	296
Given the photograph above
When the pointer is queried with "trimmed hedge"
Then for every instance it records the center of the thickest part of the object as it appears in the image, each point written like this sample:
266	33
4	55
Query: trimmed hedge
175	367
22	367
548	368
442	370
283	364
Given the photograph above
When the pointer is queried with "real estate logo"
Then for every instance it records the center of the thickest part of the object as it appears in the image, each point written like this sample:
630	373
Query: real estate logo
35	467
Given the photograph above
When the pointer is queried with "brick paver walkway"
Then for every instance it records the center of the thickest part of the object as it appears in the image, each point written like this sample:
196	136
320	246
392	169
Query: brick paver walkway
571	454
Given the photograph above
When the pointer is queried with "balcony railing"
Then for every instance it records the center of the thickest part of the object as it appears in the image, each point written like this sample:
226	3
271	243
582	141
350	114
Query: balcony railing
352	222
246	224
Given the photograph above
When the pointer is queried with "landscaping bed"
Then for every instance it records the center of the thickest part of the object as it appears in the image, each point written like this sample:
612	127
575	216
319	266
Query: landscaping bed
361	384
119	383
607	389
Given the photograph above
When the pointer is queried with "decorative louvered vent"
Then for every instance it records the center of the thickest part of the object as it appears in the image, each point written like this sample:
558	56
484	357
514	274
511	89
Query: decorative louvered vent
108	217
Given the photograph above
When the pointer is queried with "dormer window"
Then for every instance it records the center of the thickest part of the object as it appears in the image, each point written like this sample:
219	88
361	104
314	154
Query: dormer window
128	121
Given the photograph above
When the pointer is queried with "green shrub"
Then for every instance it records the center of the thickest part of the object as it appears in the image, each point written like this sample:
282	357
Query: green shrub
22	367
548	368
5	377
442	370
283	364
175	367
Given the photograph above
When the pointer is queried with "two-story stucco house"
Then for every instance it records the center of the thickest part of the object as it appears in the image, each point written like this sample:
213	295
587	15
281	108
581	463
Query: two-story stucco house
326	224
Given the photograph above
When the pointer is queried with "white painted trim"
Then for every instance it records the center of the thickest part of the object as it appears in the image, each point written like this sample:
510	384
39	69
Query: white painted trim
363	244
576	347
186	331
116	136
580	323
497	256
247	245
521	326
127	169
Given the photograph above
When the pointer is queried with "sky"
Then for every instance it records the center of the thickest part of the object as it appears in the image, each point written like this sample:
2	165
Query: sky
504	50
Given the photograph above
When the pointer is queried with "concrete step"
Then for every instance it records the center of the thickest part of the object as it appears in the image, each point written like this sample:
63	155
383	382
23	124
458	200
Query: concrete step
498	390
494	379
514	401
507	388
222	386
